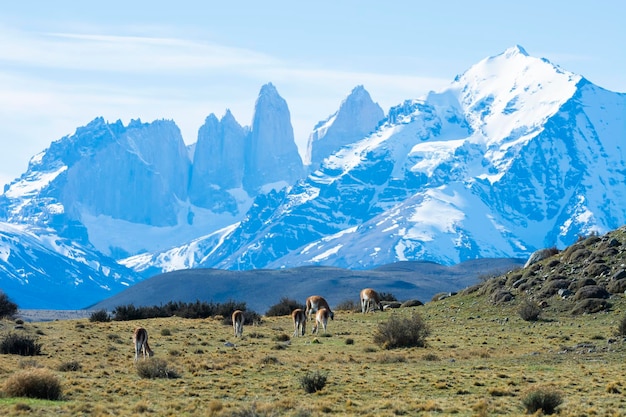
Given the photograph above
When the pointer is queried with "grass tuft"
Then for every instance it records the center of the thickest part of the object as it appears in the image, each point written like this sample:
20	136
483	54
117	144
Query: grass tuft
71	366
398	332
313	381
155	368
19	344
529	311
38	383
545	399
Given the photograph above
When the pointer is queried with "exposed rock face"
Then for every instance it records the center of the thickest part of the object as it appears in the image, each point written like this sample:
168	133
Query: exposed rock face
135	173
218	163
356	118
468	172
271	153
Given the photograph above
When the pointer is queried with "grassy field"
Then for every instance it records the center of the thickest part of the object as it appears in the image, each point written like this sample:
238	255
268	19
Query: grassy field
480	359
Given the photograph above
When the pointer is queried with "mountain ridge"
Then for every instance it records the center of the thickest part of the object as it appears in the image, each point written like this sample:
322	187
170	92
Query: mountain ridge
262	288
516	154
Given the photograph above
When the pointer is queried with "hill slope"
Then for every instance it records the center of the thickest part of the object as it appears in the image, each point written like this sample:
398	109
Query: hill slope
260	289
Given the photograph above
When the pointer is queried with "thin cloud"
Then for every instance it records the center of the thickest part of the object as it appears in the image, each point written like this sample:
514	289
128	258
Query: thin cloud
52	83
116	53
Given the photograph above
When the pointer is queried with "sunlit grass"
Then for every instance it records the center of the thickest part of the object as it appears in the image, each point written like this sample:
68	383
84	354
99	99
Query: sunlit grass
479	359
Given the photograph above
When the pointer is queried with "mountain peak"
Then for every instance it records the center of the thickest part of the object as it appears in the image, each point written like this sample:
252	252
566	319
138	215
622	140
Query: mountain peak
358	116
515	50
358	90
271	129
268	90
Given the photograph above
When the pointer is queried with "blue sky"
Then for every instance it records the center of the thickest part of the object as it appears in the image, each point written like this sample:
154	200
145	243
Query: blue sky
63	63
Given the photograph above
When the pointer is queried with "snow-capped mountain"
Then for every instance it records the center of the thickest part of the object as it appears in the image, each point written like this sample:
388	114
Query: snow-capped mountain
516	154
113	191
40	270
132	189
357	117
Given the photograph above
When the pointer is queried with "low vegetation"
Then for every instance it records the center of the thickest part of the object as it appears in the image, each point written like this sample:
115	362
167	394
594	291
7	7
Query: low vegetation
38	383
156	368
529	311
20	344
313	382
480	352
474	357
7	307
101	316
402	332
284	307
546	399
197	310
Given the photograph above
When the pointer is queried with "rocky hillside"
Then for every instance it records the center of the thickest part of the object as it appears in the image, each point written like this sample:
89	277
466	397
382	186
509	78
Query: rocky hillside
580	279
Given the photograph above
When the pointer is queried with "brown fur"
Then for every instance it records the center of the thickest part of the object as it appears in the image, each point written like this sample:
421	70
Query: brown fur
238	320
368	296
314	303
321	317
140	340
299	322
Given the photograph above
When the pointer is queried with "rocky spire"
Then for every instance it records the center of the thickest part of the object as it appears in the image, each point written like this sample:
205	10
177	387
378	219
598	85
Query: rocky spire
357	116
271	153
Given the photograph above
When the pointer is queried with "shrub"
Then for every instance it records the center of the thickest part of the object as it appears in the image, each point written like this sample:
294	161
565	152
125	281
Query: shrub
402	332
313	382
348	305
544	399
284	307
33	383
249	317
166	332
19	345
529	311
387	296
7	307
71	366
281	337
197	310
100	316
155	368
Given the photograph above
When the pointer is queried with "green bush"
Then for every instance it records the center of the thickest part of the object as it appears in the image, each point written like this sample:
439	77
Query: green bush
100	316
544	399
18	344
7	307
197	310
313	382
155	368
283	308
402	332
387	296
249	317
348	305
529	311
33	383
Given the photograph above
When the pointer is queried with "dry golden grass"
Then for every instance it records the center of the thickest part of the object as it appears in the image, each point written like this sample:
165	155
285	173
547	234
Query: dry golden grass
479	361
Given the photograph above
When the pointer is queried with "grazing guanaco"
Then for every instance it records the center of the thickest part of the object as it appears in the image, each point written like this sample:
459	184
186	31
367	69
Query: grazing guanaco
314	303
238	320
299	322
140	340
369	296
321	317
